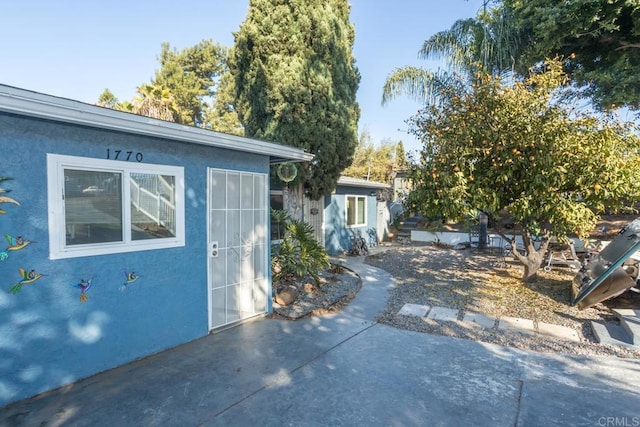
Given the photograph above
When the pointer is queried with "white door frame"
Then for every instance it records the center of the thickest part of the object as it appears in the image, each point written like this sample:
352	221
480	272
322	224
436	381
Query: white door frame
242	288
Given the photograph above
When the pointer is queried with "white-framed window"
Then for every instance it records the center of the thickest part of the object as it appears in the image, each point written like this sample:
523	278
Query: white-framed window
356	211
99	207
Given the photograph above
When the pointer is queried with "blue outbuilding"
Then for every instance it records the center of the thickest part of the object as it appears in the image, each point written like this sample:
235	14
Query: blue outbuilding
357	207
124	236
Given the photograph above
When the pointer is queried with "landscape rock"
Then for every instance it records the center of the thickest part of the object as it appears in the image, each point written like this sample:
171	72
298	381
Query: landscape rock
287	296
330	294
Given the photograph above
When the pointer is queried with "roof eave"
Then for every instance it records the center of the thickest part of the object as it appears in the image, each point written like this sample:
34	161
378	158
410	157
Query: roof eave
34	104
363	184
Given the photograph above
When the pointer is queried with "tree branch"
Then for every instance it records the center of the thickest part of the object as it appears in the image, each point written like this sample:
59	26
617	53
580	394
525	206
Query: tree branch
626	45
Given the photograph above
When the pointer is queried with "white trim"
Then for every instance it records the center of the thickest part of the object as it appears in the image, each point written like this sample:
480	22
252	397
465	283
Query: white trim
58	248
33	104
223	245
347	181
346	210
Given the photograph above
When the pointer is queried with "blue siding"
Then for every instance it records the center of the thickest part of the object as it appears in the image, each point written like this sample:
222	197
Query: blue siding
47	337
337	234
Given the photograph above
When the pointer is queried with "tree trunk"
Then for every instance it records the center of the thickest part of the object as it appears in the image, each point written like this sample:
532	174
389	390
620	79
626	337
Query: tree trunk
292	200
532	263
533	258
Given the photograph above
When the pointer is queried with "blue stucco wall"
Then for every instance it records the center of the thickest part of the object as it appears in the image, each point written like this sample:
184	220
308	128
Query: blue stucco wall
47	337
337	235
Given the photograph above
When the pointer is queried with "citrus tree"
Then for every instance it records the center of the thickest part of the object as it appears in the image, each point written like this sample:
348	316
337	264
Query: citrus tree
516	150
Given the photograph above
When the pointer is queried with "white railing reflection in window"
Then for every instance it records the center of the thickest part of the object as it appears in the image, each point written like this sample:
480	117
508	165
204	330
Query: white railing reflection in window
153	208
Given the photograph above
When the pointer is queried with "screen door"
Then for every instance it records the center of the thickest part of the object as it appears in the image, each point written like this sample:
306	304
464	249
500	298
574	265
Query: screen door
237	246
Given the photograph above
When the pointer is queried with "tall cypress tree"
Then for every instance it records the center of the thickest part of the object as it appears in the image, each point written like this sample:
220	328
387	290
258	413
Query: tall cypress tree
296	83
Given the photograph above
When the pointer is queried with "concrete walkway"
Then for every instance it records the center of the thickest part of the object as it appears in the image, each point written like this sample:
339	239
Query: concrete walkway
346	370
513	324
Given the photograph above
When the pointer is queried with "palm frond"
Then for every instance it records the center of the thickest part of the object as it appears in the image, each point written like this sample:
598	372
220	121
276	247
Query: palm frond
409	81
419	84
300	253
490	42
453	44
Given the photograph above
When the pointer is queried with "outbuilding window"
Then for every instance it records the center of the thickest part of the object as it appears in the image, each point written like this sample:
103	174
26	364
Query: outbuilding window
356	211
105	206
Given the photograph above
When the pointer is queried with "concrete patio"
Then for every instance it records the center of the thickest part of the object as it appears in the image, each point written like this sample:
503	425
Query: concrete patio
344	369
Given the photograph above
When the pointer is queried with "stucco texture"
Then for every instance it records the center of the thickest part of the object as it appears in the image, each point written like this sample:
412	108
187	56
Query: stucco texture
338	236
48	338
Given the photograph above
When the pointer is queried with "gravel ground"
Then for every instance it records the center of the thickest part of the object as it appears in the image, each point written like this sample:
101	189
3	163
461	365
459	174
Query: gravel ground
472	280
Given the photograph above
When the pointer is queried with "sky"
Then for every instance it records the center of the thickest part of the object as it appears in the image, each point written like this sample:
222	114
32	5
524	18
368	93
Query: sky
77	48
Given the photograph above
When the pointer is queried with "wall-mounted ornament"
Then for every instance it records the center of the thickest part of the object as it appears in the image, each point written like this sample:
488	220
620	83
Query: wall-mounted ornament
27	279
15	244
84	286
287	171
130	280
5	199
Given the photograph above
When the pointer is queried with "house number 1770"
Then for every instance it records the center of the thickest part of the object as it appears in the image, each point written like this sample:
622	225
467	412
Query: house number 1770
123	155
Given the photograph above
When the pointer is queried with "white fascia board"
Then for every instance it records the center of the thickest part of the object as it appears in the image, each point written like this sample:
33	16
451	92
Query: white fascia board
354	182
33	104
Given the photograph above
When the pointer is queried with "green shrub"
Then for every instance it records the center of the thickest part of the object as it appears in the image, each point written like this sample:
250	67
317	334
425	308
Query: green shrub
299	254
